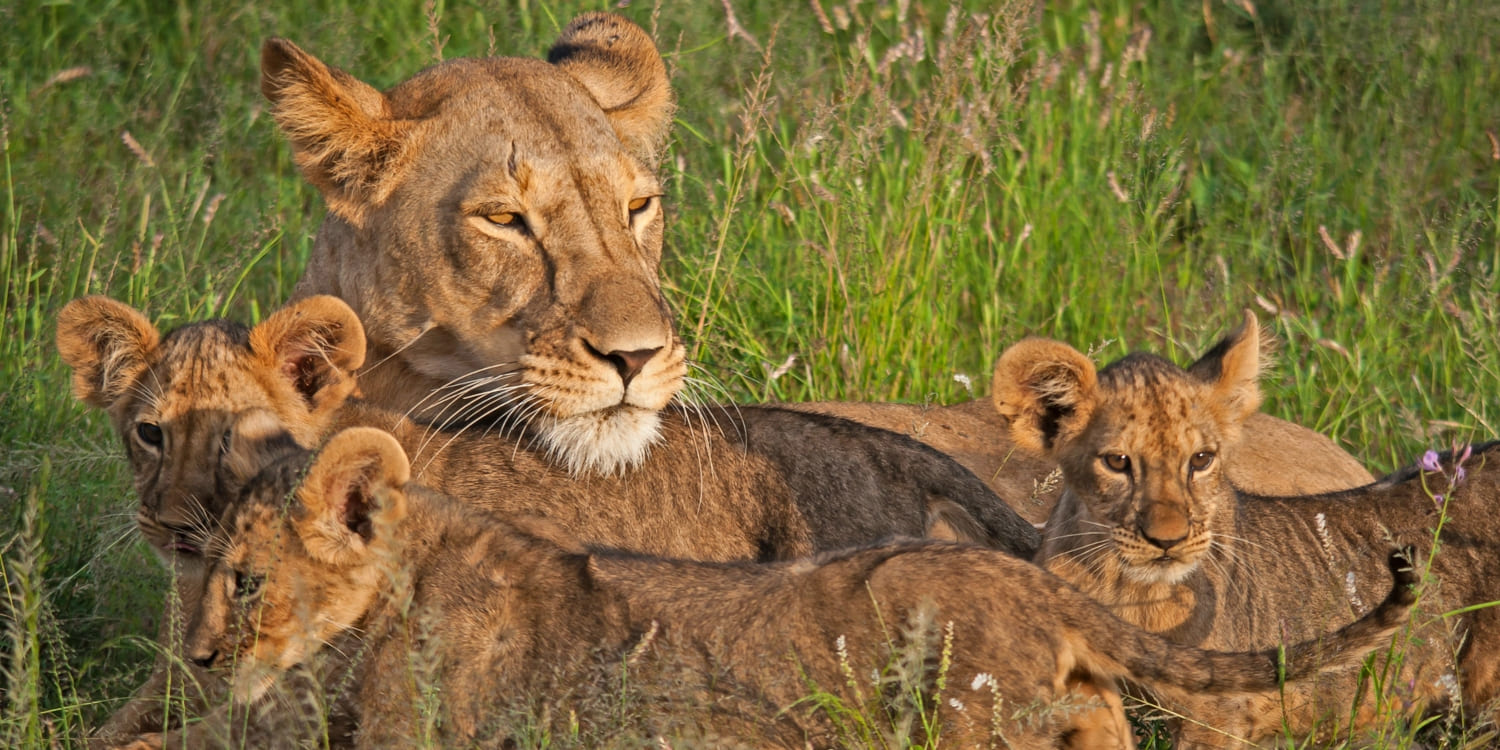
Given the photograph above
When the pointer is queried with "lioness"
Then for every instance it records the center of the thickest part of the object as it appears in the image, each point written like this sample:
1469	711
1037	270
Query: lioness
446	600
725	484
497	225
1150	525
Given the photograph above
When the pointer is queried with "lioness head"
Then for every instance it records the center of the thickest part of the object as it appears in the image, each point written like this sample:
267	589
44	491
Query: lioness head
497	225
176	400
300	558
1142	444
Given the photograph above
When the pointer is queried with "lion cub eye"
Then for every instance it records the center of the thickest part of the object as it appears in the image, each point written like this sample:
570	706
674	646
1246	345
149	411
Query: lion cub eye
639	205
1200	460
247	585
149	433
1117	462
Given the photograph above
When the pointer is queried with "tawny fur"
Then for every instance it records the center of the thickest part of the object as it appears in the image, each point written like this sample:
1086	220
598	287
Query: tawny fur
496	223
724	484
489	609
1275	457
1177	550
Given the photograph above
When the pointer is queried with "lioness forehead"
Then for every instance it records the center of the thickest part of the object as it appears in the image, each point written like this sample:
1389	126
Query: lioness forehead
517	98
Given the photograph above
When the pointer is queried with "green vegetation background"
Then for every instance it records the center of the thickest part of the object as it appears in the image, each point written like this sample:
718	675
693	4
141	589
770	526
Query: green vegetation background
866	201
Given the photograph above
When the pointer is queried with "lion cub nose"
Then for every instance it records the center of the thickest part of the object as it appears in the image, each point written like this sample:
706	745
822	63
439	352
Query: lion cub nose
628	363
204	661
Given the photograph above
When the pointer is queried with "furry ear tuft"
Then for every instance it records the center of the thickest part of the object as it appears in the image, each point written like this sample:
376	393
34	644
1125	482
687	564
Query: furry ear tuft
316	344
1046	390
108	344
1232	368
340	128
353	494
619	65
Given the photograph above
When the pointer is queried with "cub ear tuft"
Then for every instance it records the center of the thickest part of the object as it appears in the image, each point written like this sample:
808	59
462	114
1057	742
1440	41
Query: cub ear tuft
619	65
340	128
316	344
1232	368
1046	390
352	495
108	344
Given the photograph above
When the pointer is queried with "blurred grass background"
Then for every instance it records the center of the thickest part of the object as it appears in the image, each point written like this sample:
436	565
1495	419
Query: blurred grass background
867	200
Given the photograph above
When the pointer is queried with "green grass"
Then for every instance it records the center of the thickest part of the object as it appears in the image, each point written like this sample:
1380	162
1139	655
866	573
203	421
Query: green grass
1122	175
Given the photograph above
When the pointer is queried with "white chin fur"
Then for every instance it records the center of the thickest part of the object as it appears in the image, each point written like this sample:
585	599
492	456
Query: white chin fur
1168	575
600	443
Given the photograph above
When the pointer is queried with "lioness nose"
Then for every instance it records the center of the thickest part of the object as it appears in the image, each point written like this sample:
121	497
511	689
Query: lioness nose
629	364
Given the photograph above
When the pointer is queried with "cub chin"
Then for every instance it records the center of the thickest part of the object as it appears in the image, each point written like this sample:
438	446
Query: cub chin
447	617
1151	524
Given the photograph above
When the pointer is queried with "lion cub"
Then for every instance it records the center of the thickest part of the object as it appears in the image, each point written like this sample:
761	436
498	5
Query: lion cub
1150	525
446	600
722	484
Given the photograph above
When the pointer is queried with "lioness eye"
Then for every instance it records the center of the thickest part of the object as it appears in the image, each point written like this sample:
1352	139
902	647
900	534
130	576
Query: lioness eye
507	219
247	585
149	433
1200	460
1117	462
639	204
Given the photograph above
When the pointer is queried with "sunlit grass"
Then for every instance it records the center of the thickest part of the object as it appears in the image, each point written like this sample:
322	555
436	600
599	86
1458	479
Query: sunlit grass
865	201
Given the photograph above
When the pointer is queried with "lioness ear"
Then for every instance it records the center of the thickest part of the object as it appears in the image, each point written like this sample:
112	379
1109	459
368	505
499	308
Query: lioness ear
108	345
316	344
352	494
341	130
619	65
1046	390
1232	367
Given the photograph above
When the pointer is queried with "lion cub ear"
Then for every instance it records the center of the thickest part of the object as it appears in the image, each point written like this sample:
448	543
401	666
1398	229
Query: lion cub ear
108	344
341	129
352	495
1046	390
316	344
619	65
1232	369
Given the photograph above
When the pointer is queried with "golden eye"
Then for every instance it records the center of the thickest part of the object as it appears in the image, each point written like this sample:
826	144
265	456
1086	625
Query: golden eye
506	219
639	204
1117	462
1200	460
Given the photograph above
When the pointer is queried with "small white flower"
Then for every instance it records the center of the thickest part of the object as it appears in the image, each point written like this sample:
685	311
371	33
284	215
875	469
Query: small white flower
964	381
956	703
981	680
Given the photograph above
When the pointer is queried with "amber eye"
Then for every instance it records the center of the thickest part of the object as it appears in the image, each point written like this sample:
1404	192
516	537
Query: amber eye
1117	462
638	205
507	219
149	433
247	585
1200	460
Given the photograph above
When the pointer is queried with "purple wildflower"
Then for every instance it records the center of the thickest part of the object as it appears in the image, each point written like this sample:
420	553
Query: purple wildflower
1458	476
1430	462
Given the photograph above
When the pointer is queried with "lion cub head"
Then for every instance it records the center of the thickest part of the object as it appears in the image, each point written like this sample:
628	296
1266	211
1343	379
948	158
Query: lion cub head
177	401
497	225
1142	444
300	558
